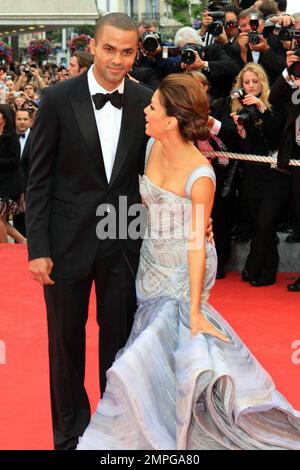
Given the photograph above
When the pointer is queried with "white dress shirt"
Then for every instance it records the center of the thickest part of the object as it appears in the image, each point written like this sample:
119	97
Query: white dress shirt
23	140
255	56
108	120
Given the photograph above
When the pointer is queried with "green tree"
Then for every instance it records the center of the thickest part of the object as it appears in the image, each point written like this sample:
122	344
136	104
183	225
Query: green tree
180	10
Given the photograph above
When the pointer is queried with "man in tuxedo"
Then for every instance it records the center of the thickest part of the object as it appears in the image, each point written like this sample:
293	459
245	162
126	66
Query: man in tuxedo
88	147
286	92
23	125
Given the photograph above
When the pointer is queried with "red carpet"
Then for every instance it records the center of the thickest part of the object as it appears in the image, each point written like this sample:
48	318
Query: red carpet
267	319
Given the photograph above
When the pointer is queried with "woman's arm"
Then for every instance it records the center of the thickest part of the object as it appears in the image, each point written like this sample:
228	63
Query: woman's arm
202	195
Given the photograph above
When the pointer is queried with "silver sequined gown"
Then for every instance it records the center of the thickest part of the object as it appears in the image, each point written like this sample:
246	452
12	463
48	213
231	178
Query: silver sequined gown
167	390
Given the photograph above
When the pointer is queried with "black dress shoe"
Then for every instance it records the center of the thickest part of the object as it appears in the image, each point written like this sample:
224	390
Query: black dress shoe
245	276
293	237
261	283
295	287
220	273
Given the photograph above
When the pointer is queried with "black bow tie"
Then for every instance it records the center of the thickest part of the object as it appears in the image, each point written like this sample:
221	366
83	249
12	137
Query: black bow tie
116	99
22	135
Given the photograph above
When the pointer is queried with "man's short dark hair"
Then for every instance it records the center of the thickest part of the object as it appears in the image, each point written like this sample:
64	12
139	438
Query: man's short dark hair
117	20
23	110
85	59
233	9
147	24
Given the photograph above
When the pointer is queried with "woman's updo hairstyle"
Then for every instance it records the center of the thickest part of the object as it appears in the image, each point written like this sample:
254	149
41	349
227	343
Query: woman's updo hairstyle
184	97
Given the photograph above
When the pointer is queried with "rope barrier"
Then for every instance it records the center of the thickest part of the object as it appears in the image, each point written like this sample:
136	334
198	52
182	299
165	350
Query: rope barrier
248	157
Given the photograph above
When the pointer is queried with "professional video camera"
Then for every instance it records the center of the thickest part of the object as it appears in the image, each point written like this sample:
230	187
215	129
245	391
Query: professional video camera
188	53
215	9
254	36
248	115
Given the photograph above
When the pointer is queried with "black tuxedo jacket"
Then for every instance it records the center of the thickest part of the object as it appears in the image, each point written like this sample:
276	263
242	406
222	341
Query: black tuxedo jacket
67	180
222	70
281	95
25	157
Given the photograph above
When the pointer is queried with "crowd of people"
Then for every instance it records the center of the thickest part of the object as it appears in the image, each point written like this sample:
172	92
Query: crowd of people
238	57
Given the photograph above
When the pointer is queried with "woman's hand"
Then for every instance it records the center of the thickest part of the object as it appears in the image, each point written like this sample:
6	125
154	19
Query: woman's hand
251	99
240	128
199	324
209	232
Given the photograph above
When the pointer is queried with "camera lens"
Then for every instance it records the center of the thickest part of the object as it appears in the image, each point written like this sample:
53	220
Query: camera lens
188	56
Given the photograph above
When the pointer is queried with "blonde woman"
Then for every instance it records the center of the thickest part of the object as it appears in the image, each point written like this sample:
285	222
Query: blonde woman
265	189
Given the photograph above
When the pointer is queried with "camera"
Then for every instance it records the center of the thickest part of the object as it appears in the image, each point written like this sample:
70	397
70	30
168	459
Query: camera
216	28
27	72
289	34
151	41
248	115
254	36
188	53
215	9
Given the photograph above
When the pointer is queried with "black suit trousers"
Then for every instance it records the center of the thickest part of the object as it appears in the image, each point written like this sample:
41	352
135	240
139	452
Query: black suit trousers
67	313
263	259
295	172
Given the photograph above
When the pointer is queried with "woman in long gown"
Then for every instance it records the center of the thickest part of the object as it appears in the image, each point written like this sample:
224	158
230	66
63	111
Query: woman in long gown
184	380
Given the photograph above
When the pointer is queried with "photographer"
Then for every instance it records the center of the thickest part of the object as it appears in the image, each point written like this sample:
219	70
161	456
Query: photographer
146	69
212	61
266	189
252	46
229	31
285	91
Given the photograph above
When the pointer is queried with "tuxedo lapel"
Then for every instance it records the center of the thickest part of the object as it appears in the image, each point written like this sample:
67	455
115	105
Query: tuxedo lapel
127	128
83	109
27	146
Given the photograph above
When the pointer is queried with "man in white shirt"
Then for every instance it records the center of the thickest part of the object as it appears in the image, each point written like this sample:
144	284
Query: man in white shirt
23	128
88	148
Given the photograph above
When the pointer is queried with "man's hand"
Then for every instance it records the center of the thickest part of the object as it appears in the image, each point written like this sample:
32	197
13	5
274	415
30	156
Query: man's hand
209	232
291	58
40	269
243	40
222	38
35	73
240	128
284	20
206	21
263	46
